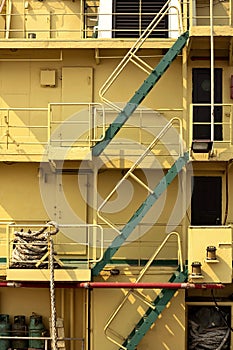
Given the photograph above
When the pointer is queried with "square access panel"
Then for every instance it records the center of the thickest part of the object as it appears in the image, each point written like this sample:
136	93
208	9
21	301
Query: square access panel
47	77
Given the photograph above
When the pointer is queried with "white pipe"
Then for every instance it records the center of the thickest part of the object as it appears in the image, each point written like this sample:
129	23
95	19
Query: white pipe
63	303
211	72
72	320
95	206
2	5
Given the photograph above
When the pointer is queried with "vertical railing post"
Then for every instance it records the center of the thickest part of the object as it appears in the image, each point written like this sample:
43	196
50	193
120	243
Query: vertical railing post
211	71
49	124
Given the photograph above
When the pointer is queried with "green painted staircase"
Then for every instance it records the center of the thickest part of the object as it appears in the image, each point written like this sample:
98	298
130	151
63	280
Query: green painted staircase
151	315
140	94
140	213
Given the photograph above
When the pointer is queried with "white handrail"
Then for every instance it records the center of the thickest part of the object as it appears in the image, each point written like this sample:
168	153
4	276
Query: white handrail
131	55
13	226
211	71
2	5
226	122
142	273
133	167
8	17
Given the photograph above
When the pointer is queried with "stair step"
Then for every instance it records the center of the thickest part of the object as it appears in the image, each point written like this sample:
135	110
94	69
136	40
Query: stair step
152	314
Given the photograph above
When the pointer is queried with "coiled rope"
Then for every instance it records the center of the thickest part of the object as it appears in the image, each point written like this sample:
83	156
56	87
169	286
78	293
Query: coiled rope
30	247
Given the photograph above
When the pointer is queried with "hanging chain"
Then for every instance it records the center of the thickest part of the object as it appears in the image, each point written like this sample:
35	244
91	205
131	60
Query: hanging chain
52	295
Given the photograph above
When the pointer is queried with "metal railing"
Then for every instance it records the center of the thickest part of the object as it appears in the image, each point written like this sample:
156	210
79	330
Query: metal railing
147	124
96	20
137	249
223	123
23	126
31	130
46	340
92	20
200	13
75	124
72	125
88	250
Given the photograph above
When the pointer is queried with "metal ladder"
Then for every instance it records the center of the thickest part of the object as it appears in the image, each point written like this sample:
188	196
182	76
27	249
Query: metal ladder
153	313
110	333
141	93
155	74
131	54
142	210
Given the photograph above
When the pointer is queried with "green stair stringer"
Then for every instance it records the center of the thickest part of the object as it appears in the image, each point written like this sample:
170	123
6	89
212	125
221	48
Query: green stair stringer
151	315
140	213
140	94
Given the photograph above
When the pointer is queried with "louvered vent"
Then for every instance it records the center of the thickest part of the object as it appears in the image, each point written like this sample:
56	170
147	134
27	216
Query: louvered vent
130	18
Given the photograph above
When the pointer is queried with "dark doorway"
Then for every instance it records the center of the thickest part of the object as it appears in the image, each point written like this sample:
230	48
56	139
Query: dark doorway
131	18
206	204
202	94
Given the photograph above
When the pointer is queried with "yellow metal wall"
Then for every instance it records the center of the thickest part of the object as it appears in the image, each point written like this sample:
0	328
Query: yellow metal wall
20	195
20	81
78	78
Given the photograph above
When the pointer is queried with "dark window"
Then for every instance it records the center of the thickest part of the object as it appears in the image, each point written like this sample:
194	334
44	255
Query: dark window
202	94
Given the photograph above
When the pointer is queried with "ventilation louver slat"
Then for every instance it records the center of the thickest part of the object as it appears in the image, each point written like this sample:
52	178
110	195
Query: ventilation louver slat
130	18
